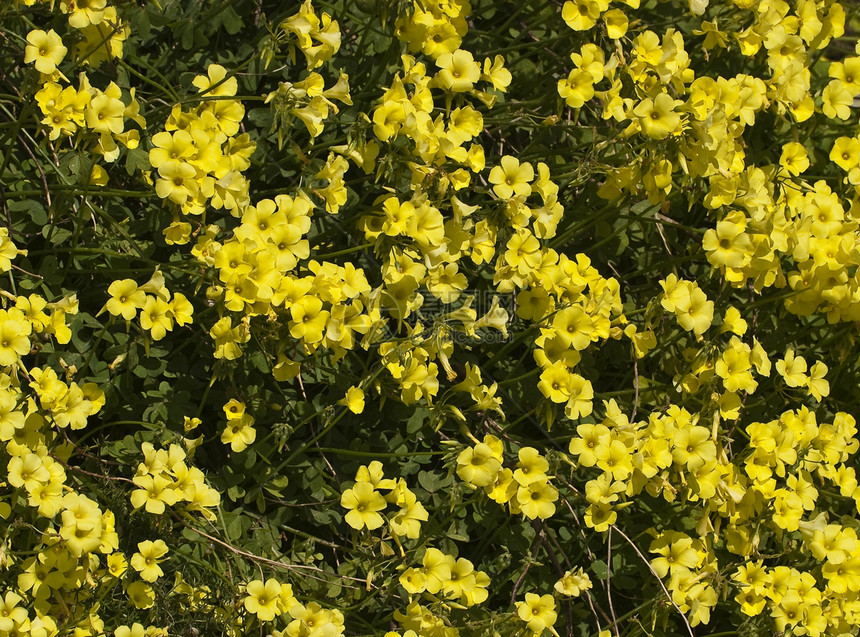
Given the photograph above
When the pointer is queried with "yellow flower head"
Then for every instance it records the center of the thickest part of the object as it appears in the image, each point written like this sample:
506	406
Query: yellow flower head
146	560
45	50
657	117
573	583
538	611
364	504
263	599
354	400
458	71
511	178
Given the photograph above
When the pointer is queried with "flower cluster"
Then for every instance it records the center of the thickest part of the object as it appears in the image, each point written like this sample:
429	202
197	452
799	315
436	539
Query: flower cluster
200	156
526	489
164	478
365	502
613	249
158	311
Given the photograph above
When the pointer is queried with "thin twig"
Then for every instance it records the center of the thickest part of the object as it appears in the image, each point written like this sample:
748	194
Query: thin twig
552	556
526	569
554	540
609	580
274	563
590	555
635	388
663	237
90	473
38	168
659	580
593	610
32	274
578	524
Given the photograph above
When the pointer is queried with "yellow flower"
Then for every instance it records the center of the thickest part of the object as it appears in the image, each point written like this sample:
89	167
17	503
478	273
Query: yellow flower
615	458
792	369
309	319
239	433
734	367
126	299
413	580
8	250
532	467
117	564
657	117
794	158
573	583
536	500
154	493
155	317
676	552
407	521
227	338
600	517
82	524
588	439
141	595
28	471
573	326
846	153
577	88
427	227
478	465
46	50
135	630
581	15
693	447
616	23
354	400
836	100
496	73
733	322
458	71
364	504
373	474
817	383
146	560
263	599
538	611
11	614
523	252
436	568
214	82
727	245
511	178
787	509
462	579
14	332
104	113
180	309
171	149
234	409
602	489
698	313
176	182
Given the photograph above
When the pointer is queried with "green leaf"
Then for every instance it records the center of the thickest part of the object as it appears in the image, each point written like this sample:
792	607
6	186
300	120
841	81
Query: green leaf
432	481
32	208
136	159
416	420
458	531
231	21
